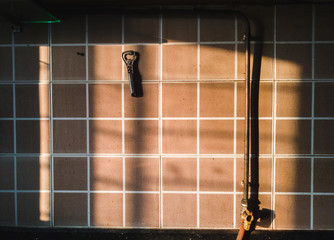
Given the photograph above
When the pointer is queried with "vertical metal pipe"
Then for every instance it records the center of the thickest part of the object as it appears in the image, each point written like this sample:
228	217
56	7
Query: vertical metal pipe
247	107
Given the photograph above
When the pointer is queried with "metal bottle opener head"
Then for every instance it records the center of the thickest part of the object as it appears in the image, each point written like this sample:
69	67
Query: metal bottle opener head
129	58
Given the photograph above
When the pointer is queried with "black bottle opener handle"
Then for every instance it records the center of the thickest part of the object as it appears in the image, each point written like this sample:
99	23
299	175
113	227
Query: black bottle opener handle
132	84
129	57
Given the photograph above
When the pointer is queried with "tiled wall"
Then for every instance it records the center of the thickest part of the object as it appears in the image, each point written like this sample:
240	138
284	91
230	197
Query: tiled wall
78	150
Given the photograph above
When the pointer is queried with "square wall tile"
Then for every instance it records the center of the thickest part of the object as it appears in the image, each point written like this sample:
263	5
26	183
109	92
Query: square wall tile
179	100
179	62
106	210
216	137
70	209
104	62
323	16
69	63
180	210
7	209
264	173
6	97
32	63
6	173
323	174
216	174
146	106
217	61
294	61
179	136
70	173
323	212
33	209
293	175
6	64
216	211
322	99
141	136
294	99
148	61
105	100
179	174
33	136
32	33
265	99
292	212
216	28
106	173
323	136
97	25
105	136
261	22
71	29
33	173
142	210
69	136
6	136
142	174
141	28
6	30
323	54
293	136
294	22
216	99
179	28
32	100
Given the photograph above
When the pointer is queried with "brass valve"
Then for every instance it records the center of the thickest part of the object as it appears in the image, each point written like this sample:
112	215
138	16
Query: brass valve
248	219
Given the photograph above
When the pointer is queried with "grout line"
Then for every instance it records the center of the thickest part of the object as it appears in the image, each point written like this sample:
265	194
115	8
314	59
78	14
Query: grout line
123	153
293	193
123	128
51	128
200	192
120	81
167	192
312	122
25	191
14	129
160	125
323	193
320	156
170	118
198	116
123	188
22	82
295	156
52	220
293	42
235	121
312	194
273	180
87	125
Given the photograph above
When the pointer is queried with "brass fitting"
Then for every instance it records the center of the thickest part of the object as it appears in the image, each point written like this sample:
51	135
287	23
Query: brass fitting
248	218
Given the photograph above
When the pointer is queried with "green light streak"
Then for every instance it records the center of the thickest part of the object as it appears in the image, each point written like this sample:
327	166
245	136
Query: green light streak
42	21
